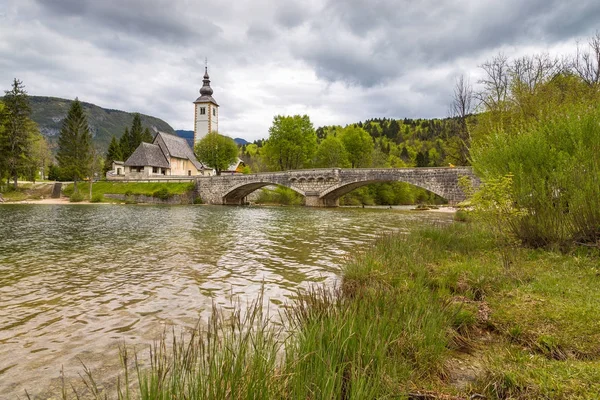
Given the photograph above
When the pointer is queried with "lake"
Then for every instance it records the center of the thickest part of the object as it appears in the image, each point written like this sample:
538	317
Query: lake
78	280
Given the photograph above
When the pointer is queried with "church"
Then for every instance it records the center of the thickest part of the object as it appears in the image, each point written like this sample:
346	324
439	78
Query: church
171	155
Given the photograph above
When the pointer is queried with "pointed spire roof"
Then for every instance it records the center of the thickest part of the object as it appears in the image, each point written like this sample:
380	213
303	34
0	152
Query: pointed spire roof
206	91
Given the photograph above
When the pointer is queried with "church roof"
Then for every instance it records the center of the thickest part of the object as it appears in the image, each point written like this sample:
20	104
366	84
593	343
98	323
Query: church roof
147	154
176	146
206	91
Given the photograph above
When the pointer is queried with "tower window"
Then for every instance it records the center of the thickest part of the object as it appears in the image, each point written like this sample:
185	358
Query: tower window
214	112
202	110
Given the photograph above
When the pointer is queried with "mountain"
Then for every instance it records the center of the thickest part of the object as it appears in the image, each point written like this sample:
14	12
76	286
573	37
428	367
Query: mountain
240	141
49	112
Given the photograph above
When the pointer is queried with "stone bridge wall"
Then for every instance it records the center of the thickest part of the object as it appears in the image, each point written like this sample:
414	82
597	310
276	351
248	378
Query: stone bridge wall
323	187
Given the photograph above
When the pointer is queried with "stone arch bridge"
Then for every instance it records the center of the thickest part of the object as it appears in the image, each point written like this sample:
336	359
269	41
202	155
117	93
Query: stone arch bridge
324	187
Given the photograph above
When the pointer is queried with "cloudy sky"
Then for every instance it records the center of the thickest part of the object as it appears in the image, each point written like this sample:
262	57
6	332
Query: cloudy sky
337	61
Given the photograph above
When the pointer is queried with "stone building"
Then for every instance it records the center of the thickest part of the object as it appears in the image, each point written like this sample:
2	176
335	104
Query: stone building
170	154
166	155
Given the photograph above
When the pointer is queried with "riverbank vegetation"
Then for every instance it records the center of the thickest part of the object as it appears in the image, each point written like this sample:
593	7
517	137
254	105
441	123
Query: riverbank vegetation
156	189
433	314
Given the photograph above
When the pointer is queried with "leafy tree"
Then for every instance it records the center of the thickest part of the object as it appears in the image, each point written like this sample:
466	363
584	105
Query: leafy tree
112	154
40	156
358	144
75	144
217	151
292	142
19	131
331	153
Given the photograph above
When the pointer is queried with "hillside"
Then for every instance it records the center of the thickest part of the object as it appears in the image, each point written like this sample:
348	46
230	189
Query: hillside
49	112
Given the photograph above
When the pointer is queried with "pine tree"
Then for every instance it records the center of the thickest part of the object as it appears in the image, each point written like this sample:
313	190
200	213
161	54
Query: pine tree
137	132
147	136
125	145
75	144
112	154
18	129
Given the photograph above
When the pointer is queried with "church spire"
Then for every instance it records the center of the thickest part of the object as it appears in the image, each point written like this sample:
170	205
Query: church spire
206	90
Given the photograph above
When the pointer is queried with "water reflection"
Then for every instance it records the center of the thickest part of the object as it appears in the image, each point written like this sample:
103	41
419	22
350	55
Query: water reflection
75	280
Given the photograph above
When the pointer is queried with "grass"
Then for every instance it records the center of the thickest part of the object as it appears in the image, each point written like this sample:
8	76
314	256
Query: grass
280	195
432	314
28	191
161	190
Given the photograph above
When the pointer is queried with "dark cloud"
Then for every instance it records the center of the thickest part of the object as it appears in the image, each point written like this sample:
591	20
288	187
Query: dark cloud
338	61
160	20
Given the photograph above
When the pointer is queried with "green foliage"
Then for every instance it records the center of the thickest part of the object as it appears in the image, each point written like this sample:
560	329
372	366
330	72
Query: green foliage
162	193
358	145
75	144
125	145
280	195
97	198
131	188
217	151
76	197
18	134
292	143
113	154
392	193
555	167
331	153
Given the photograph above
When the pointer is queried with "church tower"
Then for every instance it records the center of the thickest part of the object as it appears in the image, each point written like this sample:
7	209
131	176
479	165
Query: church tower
206	111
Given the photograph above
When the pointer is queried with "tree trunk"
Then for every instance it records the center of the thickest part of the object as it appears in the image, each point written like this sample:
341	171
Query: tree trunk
15	178
74	185
91	184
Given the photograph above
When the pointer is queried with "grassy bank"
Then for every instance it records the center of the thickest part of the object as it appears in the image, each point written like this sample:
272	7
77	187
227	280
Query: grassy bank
430	315
27	191
156	189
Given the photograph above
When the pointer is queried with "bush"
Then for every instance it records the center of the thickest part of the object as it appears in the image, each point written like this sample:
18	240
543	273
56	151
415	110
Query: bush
198	200
162	194
554	165
97	198
76	197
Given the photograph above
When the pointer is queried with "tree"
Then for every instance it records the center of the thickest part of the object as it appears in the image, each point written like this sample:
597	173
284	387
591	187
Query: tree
125	144
40	156
292	142
462	107
18	130
331	153
147	136
217	151
112	154
587	63
137	132
75	144
358	144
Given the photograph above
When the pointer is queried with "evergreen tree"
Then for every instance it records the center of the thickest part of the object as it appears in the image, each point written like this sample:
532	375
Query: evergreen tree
18	131
147	136
75	144
137	132
125	145
112	154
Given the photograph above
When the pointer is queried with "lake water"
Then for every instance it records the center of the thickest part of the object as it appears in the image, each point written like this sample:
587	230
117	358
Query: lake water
78	280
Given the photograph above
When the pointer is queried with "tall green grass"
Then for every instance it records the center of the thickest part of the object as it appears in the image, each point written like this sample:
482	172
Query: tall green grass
403	310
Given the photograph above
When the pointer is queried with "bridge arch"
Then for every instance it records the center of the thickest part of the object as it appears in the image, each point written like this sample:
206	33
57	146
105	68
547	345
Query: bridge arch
236	194
331	195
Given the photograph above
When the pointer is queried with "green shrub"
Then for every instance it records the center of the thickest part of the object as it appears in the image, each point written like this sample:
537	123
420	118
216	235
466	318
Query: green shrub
462	216
198	200
162	194
76	197
97	198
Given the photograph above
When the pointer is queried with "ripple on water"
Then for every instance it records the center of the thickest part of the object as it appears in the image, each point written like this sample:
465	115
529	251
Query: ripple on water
75	281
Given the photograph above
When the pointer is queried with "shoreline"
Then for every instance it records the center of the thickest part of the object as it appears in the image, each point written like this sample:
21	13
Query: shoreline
65	201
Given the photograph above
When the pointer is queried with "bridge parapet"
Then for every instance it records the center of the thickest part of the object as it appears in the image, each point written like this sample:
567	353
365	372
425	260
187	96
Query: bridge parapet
323	187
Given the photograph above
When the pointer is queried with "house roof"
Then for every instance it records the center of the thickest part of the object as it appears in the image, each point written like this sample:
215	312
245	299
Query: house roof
147	154
176	146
